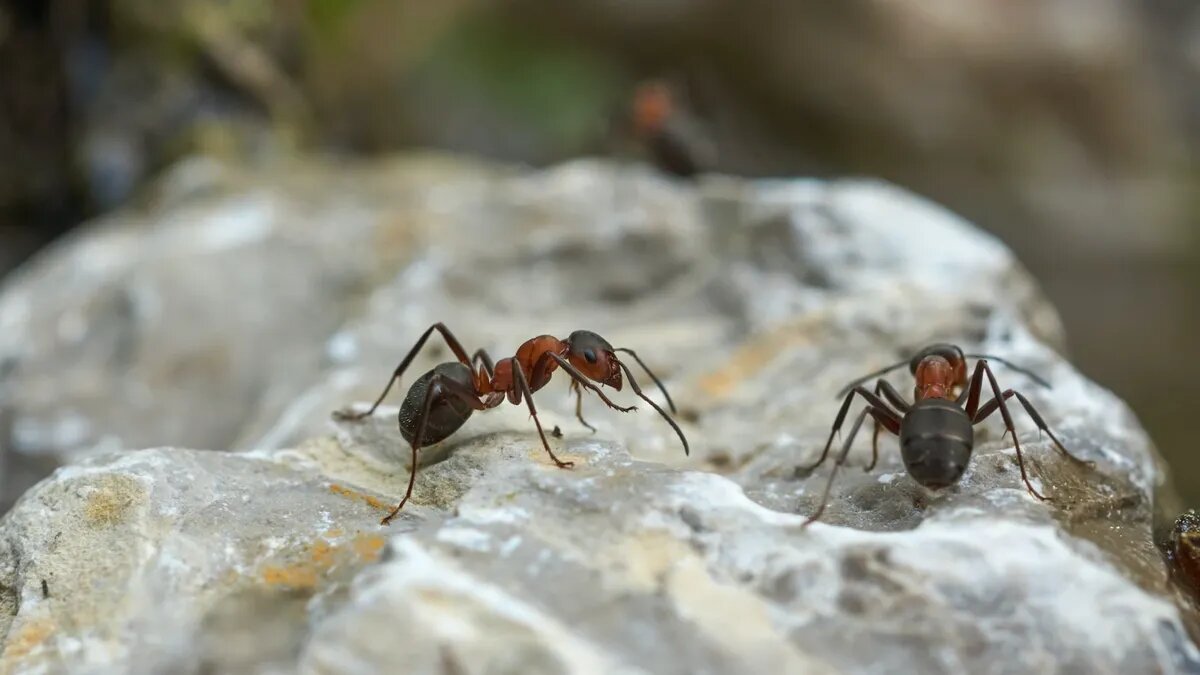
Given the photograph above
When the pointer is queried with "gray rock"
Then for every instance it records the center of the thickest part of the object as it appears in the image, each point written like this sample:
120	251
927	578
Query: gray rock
755	301
178	322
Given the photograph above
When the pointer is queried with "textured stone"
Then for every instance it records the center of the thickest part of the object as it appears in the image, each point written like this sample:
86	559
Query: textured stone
755	301
217	296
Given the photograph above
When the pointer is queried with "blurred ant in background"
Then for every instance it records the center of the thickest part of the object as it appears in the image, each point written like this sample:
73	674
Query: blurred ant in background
661	121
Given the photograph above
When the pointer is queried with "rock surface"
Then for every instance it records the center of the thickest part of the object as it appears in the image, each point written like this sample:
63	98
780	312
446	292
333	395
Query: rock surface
755	301
120	335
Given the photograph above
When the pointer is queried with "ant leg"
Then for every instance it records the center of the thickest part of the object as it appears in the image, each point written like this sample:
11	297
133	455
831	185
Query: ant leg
889	392
1037	419
481	357
873	400
670	403
638	390
583	381
542	371
438	386
982	369
990	407
482	369
874	431
435	388
451	341
523	389
969	397
1011	366
840	460
1041	424
579	405
879	417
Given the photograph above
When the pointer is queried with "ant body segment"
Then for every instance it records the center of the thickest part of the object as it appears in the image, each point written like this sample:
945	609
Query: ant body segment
937	430
439	402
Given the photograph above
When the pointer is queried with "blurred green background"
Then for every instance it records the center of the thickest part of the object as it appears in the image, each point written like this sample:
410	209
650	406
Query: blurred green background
1067	127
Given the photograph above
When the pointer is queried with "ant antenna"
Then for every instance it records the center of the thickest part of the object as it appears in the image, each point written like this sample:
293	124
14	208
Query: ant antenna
1011	366
638	390
878	373
884	371
670	403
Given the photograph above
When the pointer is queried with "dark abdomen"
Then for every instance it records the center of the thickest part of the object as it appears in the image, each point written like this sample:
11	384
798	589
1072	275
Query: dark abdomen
936	439
673	154
446	412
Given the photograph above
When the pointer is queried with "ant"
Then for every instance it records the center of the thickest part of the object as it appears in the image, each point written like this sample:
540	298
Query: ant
937	430
441	400
659	122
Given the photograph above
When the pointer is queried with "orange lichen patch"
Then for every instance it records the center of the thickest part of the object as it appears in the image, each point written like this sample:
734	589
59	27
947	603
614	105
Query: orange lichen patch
322	554
368	546
361	496
31	636
752	357
111	501
292	576
333	532
322	557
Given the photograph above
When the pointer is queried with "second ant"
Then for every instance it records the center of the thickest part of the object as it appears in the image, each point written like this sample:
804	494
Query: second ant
937	430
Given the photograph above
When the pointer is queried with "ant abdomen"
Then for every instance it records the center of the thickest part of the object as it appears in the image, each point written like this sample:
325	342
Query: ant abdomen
446	413
936	440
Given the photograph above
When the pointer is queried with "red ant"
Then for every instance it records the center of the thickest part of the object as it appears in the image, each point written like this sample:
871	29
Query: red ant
936	432
442	400
658	123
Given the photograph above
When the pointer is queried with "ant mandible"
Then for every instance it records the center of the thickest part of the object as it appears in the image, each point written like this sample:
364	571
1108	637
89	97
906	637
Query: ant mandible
439	402
937	430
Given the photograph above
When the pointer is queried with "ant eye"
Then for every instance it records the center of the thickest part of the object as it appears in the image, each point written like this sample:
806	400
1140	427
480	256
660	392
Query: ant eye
589	355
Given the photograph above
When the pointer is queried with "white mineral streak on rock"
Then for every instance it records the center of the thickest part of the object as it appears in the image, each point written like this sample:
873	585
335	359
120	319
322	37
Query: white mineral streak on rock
433	604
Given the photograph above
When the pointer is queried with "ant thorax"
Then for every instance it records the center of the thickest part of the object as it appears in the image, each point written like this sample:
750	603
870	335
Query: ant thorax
935	379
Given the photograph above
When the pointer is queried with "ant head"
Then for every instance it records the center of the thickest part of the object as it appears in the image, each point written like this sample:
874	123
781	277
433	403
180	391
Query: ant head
949	353
594	357
652	105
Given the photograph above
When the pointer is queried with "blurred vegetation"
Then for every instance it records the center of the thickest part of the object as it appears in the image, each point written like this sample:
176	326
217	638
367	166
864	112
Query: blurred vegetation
1069	127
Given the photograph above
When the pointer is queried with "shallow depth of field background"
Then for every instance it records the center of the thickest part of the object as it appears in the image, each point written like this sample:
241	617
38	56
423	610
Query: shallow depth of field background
1067	127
